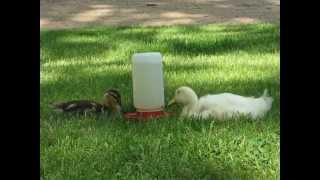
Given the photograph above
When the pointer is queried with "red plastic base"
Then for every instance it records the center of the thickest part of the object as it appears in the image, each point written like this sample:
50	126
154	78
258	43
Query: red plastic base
146	115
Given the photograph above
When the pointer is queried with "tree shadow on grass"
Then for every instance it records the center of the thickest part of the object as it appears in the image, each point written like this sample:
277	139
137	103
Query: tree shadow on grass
199	41
199	66
249	40
59	44
75	82
66	44
222	172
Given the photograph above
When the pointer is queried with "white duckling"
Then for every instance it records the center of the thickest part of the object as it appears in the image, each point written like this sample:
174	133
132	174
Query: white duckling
221	106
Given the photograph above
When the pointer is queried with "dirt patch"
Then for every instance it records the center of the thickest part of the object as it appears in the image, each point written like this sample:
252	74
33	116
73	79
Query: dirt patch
56	14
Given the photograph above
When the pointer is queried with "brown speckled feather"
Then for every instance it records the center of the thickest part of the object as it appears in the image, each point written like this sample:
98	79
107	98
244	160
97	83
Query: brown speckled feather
79	106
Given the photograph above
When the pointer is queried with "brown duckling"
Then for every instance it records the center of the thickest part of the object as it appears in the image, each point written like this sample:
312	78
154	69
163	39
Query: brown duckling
80	106
111	104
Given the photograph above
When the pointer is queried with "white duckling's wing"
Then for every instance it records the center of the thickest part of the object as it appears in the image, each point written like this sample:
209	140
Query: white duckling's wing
226	104
210	101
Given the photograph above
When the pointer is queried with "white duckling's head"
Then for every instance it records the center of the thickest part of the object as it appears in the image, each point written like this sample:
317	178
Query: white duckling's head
184	95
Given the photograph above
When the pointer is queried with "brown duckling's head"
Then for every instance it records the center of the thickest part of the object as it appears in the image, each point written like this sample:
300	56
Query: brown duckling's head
112	99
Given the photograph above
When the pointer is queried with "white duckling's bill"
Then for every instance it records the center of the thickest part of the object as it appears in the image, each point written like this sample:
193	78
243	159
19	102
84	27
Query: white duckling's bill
171	102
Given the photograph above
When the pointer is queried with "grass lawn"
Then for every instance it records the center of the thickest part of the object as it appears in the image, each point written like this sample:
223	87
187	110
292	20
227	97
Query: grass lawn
82	63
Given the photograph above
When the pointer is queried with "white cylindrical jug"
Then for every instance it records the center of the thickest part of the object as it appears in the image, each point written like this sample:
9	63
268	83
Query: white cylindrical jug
147	74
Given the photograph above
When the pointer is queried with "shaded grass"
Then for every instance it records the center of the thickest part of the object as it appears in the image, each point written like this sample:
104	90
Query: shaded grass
82	63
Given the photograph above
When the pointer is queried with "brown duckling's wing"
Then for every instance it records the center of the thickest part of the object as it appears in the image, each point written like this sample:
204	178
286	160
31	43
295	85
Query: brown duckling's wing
59	105
76	105
82	105
99	107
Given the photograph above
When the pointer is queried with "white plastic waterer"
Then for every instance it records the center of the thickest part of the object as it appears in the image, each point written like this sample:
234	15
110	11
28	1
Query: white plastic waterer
147	77
148	90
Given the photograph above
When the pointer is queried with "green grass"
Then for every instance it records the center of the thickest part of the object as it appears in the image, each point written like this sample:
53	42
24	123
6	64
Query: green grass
82	63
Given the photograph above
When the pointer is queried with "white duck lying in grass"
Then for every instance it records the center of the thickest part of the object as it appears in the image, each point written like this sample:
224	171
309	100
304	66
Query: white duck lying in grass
221	106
